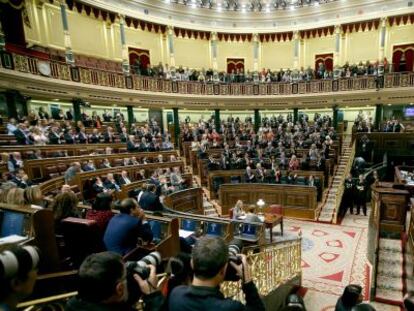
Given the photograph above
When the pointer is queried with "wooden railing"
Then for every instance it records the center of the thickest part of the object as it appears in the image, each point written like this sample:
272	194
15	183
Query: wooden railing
63	71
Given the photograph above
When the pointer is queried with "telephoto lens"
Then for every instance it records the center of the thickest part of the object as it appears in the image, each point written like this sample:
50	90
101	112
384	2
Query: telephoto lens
141	268
235	248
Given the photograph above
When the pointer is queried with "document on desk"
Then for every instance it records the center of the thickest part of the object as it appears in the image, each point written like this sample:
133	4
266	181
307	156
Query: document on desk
12	239
184	233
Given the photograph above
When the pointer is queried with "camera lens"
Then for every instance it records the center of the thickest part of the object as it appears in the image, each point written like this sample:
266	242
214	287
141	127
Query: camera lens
153	258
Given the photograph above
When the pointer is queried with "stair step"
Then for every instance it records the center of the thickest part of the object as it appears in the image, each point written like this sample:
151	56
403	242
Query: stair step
389	269
390	245
390	283
390	257
386	294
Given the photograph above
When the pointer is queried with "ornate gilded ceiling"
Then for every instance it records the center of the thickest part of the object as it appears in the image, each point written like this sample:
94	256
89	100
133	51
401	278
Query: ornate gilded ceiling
255	15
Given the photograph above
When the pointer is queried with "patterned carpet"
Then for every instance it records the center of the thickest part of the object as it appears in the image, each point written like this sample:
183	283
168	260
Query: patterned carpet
333	256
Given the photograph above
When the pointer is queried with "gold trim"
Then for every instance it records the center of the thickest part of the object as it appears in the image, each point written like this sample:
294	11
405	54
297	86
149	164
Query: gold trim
235	63
138	54
17	7
403	50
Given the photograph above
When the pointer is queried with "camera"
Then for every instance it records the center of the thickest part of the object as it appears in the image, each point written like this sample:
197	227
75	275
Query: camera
141	268
235	248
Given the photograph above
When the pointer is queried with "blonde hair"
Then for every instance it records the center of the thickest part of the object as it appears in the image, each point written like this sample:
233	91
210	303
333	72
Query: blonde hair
15	196
33	195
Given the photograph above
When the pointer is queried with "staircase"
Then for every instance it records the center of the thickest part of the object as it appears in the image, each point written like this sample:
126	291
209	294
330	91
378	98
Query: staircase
334	193
390	282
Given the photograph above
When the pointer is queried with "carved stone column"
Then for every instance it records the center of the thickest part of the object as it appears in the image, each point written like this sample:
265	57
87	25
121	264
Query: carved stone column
68	43
124	49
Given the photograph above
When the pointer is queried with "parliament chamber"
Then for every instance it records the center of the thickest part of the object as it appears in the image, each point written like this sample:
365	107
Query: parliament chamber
207	155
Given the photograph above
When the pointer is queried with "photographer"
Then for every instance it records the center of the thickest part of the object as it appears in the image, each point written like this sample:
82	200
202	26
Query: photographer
103	286
18	273
210	262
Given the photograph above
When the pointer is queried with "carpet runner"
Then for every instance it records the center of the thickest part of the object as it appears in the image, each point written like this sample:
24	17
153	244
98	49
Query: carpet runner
390	272
330	205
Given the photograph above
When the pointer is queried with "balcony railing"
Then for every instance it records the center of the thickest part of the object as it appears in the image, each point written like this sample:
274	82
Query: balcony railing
63	71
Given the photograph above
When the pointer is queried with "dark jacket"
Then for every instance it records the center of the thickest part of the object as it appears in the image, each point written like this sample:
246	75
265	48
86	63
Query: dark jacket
186	298
152	302
149	201
123	231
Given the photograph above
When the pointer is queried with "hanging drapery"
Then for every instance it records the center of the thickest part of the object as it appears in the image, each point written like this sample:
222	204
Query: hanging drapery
142	55
233	64
326	59
403	57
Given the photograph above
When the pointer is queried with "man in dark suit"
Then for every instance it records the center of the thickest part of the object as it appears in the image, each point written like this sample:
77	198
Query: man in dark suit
131	147
69	137
54	136
149	200
21	179
109	135
123	230
110	183
124	179
21	136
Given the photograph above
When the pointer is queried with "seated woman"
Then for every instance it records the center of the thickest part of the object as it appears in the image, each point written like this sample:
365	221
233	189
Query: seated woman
238	209
101	210
64	205
33	196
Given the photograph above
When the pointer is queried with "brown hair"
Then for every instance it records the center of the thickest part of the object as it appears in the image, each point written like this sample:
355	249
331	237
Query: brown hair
64	205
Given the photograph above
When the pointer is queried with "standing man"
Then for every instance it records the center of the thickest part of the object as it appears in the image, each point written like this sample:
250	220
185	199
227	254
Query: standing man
361	189
348	199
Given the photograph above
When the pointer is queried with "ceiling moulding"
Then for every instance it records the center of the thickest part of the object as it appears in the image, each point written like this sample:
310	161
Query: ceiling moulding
349	11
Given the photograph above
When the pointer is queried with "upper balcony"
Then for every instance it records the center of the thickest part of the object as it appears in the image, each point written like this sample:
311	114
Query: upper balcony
50	79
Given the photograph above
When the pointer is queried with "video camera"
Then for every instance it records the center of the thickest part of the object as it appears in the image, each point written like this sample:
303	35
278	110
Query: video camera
141	268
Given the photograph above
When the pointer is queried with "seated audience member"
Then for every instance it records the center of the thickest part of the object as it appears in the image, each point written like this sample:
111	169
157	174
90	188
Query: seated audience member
21	179
108	135
14	162
238	209
176	179
69	137
64	205
81	136
124	179
131	146
108	150
39	139
110	183
210	262
103	286
134	161
149	200
55	136
98	186
22	136
89	166
33	196
105	164
126	162
251	215
11	126
36	155
101	210
18	273
123	230
95	137
72	171
15	196
351	296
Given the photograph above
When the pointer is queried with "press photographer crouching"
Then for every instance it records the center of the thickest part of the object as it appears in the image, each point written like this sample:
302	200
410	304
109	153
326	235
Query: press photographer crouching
210	262
18	273
106	283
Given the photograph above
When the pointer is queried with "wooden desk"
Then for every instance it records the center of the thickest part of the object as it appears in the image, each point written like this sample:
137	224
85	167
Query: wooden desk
271	221
227	174
188	200
389	207
402	179
297	201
